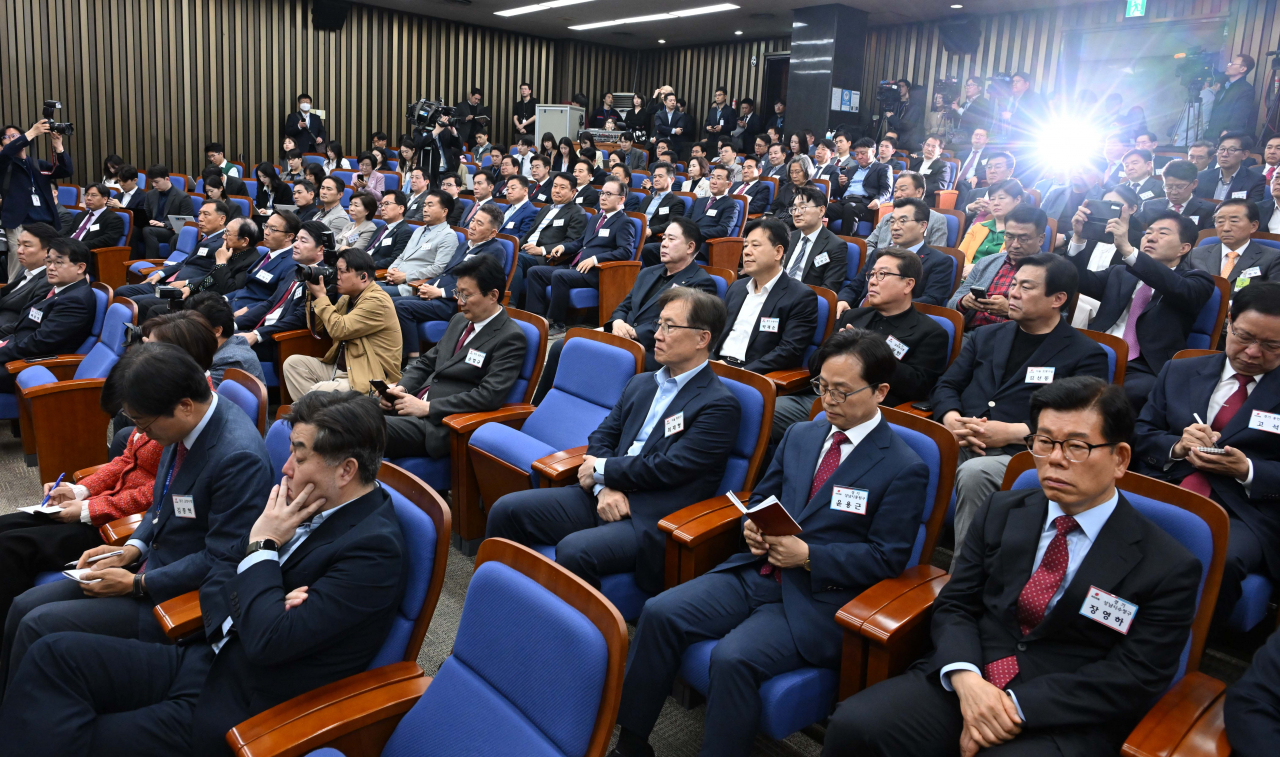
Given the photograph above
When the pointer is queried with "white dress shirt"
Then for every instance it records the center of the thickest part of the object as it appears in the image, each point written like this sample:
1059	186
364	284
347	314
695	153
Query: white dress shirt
854	435
27	276
735	344
798	265
546	221
1273	225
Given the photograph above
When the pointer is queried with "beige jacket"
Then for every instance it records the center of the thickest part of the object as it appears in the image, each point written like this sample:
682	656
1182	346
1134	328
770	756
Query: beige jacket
370	332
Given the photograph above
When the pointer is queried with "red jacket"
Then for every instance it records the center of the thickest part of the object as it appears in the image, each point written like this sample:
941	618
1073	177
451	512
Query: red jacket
124	486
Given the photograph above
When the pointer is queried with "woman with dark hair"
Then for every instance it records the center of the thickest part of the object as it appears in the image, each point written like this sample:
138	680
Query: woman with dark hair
585	140
798	148
548	145
334	160
314	173
111	170
272	190
565	157
367	179
359	232
215	189
698	184
636	119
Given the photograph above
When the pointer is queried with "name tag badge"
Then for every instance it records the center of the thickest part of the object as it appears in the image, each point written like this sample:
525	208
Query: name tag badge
1239	195
297	293
604	233
263	276
511	225
849	500
821	260
1194	219
1262	421
578	200
1147	195
899	349
386	242
203	251
664	211
711	212
769	324
93	227
1251	272
184	506
351	238
1040	375
558	222
35	315
1159	172
674	424
1109	610
476	358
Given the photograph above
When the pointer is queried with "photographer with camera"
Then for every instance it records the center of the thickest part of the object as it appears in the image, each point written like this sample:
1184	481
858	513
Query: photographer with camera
906	117
26	182
1233	106
435	139
973	110
362	324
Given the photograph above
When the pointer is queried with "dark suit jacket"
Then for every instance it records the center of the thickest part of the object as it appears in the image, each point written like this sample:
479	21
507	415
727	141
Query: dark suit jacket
230	277
15	299
1244	181
65	322
1266	259
977	115
759	194
459	387
640	307
1265	210
1078	679
934	289
664	123
199	264
934	179
104	232
908	121
519	223
1199	210
386	246
715	217
356	568
227	473
303	136
1232	110
448	281
262	278
570	223
541	192
876	185
1164	325
726	118
1249	711
1154	185
848	552
179	204
795	306
293	312
928	348
282	196
586	197
974	385
750	128
17	206
671	471
830	274
668	207
614	241
1183	388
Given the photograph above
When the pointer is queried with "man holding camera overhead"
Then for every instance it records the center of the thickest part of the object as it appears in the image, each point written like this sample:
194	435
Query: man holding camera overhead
26	187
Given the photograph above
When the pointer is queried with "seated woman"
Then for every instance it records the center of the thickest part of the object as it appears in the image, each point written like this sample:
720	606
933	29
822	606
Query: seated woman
358	233
32	543
987	237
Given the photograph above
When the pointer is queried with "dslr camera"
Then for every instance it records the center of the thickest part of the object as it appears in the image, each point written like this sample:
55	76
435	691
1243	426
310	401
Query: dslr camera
173	295
1100	211
311	274
50	106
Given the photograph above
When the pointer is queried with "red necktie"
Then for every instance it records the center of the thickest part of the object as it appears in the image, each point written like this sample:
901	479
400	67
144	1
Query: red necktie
830	461
466	334
278	304
1035	597
50	294
1270	170
1177	208
1197	482
89	219
178	458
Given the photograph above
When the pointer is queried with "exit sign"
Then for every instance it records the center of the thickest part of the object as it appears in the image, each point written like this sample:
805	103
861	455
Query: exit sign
1134	8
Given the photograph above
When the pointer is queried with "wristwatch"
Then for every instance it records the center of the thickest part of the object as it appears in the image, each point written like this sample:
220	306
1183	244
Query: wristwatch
806	564
267	544
139	590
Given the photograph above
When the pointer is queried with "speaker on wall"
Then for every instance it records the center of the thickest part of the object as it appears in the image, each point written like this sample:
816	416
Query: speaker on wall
329	15
960	37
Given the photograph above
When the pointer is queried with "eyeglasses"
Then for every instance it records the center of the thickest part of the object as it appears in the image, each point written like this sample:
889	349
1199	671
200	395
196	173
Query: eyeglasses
901	221
1074	450
665	328
1020	238
836	396
802	208
1247	340
603	193
1229	150
878	276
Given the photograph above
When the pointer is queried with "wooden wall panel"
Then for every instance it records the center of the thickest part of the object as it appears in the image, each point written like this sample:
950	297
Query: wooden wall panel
695	72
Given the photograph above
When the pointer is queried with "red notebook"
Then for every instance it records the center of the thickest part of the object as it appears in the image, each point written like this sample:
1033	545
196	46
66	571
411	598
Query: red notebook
769	516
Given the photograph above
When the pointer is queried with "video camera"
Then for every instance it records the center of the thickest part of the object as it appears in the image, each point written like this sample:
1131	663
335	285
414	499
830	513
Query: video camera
50	106
425	114
888	95
1001	86
948	88
1194	69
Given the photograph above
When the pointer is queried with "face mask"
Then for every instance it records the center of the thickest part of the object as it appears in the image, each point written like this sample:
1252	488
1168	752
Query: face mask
305	107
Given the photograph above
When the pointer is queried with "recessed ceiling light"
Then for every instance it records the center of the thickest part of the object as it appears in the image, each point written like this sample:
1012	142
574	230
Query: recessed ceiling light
657	16
539	7
738	32
662	42
957	6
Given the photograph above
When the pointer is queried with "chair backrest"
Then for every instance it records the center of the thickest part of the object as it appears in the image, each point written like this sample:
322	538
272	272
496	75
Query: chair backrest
1208	325
951	322
278	448
248	393
1210	236
101	299
535	335
110	346
1196	522
594	369
243	203
826	321
552	688
508	244
68	195
250	187
1117	354
187	238
127	217
723	278
756	397
953	228
346	176
769	188
181	181
855	257
957	264
638	226
466	203
638	178
390	181
743	202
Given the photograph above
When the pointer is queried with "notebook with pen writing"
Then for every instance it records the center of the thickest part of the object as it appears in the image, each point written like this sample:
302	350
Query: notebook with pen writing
769	516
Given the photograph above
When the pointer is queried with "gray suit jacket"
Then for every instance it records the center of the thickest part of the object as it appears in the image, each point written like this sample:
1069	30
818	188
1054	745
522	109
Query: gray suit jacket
413	211
425	256
1266	259
935	235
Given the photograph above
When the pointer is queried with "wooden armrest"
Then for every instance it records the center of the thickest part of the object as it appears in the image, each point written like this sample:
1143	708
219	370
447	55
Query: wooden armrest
304	704
789	381
464	423
695	511
179	616
61	361
893	620
560	466
84	473
118	531
62	387
371	715
1188	719
145	272
907	408
381	274
861	609
703	528
282	336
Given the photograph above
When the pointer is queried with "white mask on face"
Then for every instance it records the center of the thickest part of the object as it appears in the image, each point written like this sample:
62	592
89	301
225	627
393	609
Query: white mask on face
305	107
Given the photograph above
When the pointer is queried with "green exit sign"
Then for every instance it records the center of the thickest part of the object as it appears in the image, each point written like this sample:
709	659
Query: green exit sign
1134	8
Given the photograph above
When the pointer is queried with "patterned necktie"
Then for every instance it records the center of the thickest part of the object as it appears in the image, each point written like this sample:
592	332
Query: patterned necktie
1035	597
378	237
969	164
1141	298
830	461
798	261
1198	482
279	304
1229	263
1177	208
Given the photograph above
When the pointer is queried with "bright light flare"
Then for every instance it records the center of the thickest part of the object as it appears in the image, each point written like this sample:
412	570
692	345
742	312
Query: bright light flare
1063	145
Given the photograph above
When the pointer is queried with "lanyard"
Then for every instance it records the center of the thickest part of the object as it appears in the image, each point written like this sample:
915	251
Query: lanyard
168	480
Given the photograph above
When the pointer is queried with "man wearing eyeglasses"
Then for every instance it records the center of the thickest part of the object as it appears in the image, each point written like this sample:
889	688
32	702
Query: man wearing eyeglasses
815	256
984	395
1227	403
1180	182
1066	615
392	239
1229	180
264	277
907	226
1236	256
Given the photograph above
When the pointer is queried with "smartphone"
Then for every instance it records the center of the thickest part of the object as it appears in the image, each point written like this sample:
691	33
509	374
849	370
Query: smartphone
924	405
380	387
979	293
38	358
1211	450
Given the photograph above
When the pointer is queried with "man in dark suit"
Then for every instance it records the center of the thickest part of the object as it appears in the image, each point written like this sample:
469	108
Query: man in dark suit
715	216
1230	180
161	201
303	597
97	226
389	241
414	194
907	119
672	125
286	308
518	217
32	285
304	128
932	167
212	222
983	396
777	163
973	161
911	217
555	224
773	605
815	256
720	116
436	299
1251	709
1151	299
772	317
540	182
1180	181
584	195
661	207
131	195
60	322
1139	175
1030	654
866	188
1233	108
439	151
1236	257
610	236
1226	401
752	187
471	369
748	124
214	475
232	184
262	279
471	116
663	446
27	183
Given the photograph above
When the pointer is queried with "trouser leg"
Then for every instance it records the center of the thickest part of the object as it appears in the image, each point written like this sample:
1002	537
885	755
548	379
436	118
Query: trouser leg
905	715
1244	556
562	281
977	478
302	372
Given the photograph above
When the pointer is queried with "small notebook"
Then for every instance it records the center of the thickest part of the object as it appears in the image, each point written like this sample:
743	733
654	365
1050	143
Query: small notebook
769	516
46	509
77	575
